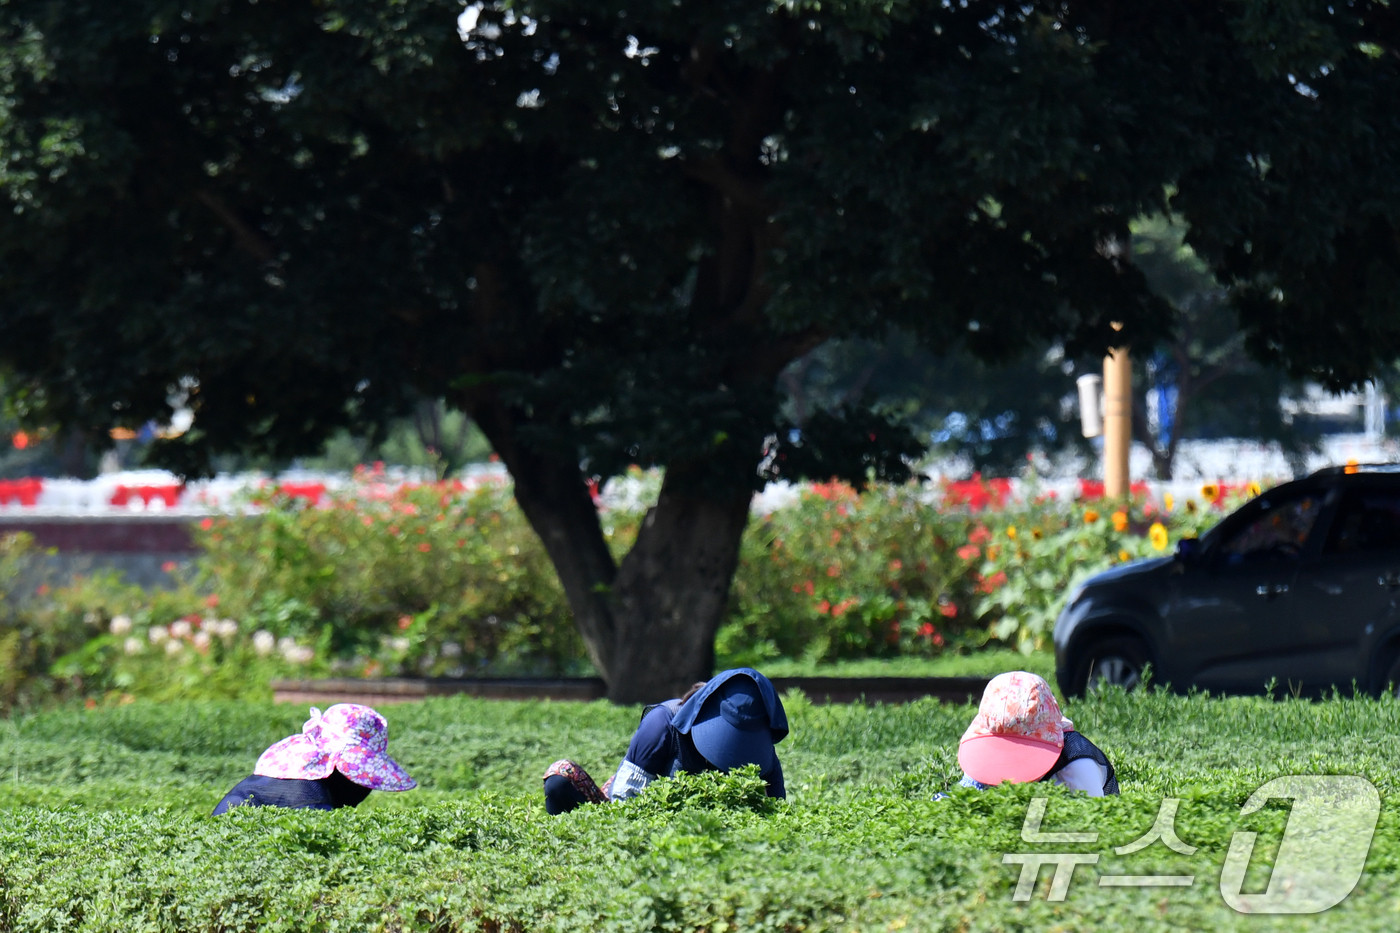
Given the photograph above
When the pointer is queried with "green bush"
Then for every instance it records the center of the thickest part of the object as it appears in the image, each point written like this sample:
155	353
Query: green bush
106	824
423	579
901	571
32	637
434	580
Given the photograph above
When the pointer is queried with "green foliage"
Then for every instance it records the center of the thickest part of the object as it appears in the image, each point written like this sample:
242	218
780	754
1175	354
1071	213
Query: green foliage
986	662
434	437
428	579
30	638
902	571
431	580
105	823
840	576
741	789
991	414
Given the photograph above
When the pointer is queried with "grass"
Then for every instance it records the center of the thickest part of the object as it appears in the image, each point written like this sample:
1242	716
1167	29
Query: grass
105	826
986	662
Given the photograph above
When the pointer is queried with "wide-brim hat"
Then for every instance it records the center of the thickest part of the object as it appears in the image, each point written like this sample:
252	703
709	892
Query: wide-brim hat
1017	734
733	727
348	738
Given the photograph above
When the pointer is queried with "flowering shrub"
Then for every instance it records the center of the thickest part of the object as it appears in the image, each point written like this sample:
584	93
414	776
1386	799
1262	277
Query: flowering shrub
839	575
897	571
439	581
428	579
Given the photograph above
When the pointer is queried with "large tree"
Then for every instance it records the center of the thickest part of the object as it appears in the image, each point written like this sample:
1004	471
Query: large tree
604	228
1197	382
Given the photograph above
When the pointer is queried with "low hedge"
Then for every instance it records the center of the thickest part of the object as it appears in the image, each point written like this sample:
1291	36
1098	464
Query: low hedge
860	845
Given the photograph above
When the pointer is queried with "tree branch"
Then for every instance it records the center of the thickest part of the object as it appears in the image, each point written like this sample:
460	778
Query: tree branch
246	238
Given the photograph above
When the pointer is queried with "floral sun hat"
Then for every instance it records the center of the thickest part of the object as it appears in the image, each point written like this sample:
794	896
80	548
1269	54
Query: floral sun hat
1017	734
348	737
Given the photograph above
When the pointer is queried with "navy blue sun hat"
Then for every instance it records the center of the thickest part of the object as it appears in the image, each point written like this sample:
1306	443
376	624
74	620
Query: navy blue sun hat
735	720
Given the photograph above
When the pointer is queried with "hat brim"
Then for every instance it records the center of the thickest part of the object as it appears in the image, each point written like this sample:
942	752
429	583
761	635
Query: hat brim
993	759
727	747
374	770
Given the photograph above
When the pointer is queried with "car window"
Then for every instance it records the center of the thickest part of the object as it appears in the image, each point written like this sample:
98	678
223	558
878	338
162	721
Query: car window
1366	521
1276	533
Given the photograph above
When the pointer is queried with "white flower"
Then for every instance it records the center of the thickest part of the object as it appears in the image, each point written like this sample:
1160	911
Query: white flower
180	629
202	640
157	634
399	644
264	642
121	625
92	618
132	646
451	650
173	647
296	654
226	628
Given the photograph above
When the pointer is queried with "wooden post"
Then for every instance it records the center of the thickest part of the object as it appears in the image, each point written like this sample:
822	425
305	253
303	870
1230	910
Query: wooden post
1117	420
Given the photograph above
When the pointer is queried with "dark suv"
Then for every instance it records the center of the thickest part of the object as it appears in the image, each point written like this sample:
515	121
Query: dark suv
1300	586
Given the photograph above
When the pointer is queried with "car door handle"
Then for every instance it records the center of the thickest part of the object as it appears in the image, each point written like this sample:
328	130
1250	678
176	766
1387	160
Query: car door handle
1269	591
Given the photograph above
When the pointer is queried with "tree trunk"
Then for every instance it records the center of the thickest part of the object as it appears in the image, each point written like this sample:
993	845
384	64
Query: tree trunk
649	626
556	502
671	591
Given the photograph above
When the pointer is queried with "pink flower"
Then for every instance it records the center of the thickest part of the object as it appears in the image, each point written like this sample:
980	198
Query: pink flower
969	552
207	524
823	607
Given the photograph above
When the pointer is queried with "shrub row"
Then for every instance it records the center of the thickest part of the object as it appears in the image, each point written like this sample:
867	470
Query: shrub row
434	580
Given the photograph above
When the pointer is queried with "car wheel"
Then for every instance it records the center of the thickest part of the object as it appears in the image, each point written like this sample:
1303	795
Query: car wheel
1390	683
1118	661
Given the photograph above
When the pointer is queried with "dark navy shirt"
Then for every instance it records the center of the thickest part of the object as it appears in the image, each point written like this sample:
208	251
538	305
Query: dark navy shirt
659	749
326	794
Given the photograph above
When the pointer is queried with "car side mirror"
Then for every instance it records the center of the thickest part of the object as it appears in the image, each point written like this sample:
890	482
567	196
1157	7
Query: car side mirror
1188	550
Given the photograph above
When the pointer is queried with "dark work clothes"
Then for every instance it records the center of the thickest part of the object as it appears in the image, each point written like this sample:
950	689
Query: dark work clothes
689	711
326	794
664	747
1076	747
561	796
659	749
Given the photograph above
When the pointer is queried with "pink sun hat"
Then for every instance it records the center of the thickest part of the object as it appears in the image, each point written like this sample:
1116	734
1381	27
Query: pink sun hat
1017	734
348	737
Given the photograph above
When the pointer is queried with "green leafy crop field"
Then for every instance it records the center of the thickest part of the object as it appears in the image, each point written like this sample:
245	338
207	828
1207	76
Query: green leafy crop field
104	825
